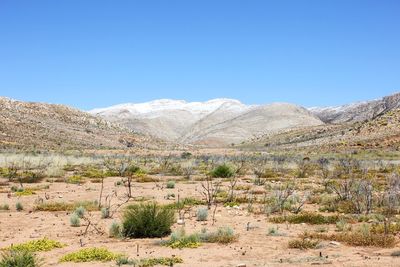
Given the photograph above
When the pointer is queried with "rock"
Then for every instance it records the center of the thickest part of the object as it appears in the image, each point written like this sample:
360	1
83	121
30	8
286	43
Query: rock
241	265
181	222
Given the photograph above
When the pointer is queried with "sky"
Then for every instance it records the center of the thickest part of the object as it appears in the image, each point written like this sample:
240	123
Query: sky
99	53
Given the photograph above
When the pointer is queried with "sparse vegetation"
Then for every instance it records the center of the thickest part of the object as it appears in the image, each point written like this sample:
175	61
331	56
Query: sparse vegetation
90	255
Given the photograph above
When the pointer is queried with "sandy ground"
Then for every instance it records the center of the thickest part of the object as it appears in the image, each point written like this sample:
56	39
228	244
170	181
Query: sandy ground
253	248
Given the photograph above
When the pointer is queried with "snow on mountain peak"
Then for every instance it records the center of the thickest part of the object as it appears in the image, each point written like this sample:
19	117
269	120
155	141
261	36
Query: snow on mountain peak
160	105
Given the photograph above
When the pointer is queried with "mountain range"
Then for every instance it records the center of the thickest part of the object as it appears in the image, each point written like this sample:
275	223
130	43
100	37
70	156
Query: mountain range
221	122
217	122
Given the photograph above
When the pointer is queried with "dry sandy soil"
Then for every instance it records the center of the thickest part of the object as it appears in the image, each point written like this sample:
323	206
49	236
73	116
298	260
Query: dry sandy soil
253	248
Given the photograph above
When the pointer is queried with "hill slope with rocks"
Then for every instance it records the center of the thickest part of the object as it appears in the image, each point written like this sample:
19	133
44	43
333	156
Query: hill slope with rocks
28	125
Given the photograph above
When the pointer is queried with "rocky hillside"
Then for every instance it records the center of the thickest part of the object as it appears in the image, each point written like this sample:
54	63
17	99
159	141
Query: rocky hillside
382	132
27	125
358	112
216	122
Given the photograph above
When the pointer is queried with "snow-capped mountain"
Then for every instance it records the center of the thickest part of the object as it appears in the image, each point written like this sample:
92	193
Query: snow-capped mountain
217	121
162	105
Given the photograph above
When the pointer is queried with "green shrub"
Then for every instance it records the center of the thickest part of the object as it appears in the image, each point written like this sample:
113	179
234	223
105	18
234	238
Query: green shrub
222	171
38	245
80	211
115	230
90	254
19	258
171	184
19	206
105	213
223	235
74	220
147	220
179	239
202	214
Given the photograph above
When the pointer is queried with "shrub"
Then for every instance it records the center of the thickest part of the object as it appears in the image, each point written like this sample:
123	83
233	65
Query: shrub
80	211
223	235
115	230
202	214
74	220
19	206
147	220
75	179
395	253
90	254
222	171
306	217
105	213
149	262
4	207
274	231
303	243
357	238
37	245
171	184
179	239
19	258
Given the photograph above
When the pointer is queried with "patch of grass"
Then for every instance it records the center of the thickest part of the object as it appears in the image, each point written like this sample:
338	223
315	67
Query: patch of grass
356	238
180	240
223	235
306	217
89	255
25	192
150	262
75	179
147	220
37	245
303	243
186	202
62	206
19	258
4	207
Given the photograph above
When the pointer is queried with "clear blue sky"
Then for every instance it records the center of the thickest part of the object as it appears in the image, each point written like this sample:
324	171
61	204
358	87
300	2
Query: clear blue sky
97	53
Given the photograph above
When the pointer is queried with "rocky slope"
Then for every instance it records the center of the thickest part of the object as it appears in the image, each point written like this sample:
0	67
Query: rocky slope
27	125
382	132
358	112
216	122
